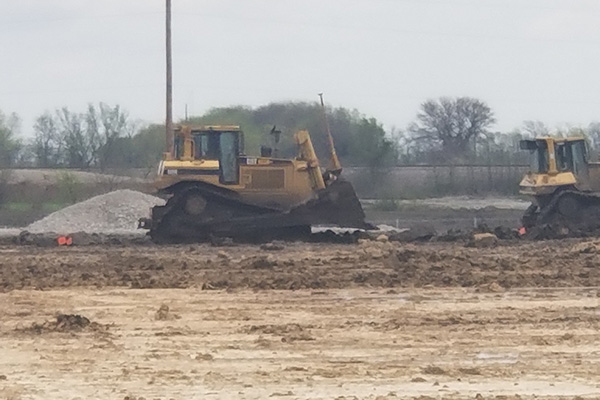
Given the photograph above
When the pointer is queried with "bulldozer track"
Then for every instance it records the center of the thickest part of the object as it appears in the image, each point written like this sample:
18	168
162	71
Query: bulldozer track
226	214
578	218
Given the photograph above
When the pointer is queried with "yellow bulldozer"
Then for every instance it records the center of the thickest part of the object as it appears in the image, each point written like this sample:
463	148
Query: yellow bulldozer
564	185
215	190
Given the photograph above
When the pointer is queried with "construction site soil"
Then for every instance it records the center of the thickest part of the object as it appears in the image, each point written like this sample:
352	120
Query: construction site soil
374	320
292	266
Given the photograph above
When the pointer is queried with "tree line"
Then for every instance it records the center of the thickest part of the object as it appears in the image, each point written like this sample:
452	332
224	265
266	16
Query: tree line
445	131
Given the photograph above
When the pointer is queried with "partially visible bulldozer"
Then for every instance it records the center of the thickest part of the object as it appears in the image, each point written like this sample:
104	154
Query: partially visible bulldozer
564	185
215	190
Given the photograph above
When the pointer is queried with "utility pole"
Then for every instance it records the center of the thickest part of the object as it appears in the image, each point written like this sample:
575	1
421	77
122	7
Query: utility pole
169	120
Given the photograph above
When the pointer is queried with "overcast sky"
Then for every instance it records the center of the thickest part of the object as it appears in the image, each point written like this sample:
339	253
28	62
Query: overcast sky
528	59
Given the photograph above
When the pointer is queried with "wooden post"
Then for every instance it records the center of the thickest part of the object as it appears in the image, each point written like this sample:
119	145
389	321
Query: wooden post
169	118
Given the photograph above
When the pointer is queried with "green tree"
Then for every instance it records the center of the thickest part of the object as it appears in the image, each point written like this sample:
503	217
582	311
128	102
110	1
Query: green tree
370	147
359	140
149	145
142	149
104	136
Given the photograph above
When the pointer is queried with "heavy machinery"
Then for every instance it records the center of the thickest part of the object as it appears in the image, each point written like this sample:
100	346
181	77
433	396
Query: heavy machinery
564	185
215	190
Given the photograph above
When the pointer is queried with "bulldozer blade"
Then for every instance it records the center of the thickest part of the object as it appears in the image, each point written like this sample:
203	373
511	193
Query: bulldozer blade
338	205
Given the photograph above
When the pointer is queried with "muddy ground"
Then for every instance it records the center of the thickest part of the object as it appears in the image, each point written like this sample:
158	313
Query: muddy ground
293	266
374	320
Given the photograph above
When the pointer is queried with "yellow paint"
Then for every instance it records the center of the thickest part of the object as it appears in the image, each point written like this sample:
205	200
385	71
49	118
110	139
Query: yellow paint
543	184
297	182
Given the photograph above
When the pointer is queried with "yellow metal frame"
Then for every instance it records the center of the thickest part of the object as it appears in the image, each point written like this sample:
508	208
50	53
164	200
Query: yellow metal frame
543	184
302	175
307	153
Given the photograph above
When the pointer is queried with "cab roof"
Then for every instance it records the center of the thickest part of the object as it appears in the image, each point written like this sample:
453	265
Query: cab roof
210	128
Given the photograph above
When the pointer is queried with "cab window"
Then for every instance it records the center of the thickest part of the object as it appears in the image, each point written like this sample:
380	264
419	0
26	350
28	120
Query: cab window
178	147
564	157
579	157
539	158
228	160
206	145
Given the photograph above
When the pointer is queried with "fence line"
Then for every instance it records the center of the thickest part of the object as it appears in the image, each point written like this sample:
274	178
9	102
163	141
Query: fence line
434	181
413	181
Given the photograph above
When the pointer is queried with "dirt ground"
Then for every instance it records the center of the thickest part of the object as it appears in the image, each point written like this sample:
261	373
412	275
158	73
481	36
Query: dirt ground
373	320
293	266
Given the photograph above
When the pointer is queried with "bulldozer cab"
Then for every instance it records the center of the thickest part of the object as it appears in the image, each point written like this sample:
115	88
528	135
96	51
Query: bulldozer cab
554	156
557	164
211	143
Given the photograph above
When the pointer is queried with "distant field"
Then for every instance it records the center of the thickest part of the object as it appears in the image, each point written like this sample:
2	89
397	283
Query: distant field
28	195
22	214
421	182
25	207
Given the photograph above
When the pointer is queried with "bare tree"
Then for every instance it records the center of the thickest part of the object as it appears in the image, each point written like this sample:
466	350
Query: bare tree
104	126
453	123
115	124
77	150
81	140
46	143
93	136
535	128
9	144
593	133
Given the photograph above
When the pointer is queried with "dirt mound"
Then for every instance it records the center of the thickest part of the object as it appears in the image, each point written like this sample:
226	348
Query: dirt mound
65	323
164	314
112	212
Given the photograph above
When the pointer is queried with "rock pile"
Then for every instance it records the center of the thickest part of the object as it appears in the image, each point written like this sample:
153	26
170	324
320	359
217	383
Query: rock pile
112	212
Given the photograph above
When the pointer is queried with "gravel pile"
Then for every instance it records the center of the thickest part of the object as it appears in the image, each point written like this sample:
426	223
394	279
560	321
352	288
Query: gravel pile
116	211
